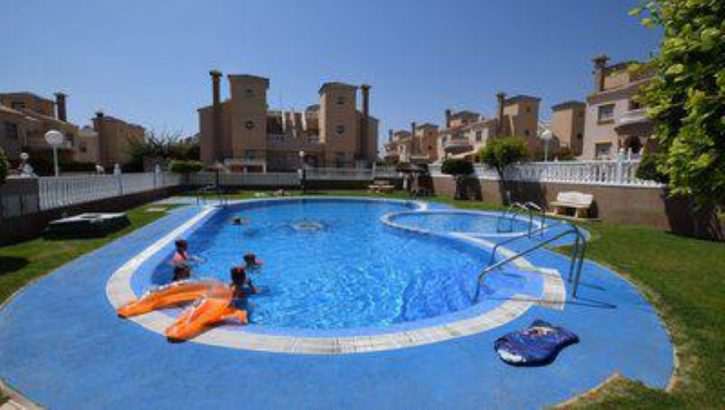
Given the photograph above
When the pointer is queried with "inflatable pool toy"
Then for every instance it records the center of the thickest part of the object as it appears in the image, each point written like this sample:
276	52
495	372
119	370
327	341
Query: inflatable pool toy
537	345
210	310
175	293
212	304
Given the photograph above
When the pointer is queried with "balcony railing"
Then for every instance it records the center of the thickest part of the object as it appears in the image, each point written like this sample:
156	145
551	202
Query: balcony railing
632	117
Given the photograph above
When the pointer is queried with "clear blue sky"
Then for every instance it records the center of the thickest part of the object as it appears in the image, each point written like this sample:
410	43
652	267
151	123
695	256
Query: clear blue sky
147	61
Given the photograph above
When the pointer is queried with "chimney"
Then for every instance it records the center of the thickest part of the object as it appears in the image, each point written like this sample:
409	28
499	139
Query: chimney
99	114
365	89
60	106
500	101
448	118
216	114
600	63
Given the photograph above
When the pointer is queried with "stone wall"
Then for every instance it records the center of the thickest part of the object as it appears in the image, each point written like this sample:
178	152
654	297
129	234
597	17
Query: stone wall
621	204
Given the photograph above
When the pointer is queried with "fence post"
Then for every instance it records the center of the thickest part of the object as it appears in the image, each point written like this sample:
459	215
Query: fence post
119	178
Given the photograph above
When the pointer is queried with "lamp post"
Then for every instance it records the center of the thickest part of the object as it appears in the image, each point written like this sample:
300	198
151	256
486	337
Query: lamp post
55	139
303	173
546	135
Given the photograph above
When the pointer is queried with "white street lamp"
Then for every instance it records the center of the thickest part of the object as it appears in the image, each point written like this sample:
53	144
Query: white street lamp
55	138
303	175
547	136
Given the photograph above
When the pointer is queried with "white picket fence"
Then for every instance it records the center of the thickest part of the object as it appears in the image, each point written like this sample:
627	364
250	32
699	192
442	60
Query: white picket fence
269	179
70	190
616	173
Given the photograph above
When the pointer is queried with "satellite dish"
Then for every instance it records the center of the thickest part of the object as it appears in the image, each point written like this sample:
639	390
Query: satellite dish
54	138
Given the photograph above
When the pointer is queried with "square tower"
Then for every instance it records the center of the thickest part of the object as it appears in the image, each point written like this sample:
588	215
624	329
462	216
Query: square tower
249	116
339	123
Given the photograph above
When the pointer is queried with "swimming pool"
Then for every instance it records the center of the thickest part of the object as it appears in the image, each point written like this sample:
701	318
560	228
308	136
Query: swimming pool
331	264
459	221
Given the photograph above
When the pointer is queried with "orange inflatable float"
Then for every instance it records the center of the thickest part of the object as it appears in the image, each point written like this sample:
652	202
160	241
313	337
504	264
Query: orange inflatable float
175	293
208	311
212	305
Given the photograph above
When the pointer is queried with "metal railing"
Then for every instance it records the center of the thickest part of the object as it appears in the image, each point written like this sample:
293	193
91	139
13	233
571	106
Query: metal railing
575	265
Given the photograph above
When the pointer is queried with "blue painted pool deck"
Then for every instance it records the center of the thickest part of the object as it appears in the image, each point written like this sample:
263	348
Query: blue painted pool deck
62	346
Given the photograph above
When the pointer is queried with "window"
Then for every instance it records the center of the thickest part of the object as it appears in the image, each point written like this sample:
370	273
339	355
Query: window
526	132
528	109
579	135
340	100
603	151
605	113
82	147
11	130
249	93
17	105
249	154
634	105
249	125
479	135
340	129
444	140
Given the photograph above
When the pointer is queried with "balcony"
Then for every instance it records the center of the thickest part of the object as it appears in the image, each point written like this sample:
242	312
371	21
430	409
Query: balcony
632	117
457	146
633	122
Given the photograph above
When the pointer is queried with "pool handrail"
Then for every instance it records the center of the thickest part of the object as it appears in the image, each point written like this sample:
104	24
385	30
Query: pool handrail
510	213
533	205
541	229
577	259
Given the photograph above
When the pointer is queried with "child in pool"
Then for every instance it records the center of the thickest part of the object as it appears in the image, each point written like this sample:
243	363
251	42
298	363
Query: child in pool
180	261
251	263
241	284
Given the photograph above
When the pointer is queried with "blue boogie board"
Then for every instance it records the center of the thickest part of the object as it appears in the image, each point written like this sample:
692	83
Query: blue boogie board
537	345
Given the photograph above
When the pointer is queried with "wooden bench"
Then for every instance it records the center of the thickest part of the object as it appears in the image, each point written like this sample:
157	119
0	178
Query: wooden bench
381	187
578	201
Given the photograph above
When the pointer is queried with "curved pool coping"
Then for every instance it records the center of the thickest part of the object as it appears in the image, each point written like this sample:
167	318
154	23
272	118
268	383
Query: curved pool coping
477	318
388	220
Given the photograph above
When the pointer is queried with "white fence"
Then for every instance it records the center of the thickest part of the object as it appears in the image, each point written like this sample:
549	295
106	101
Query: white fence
70	190
618	172
269	179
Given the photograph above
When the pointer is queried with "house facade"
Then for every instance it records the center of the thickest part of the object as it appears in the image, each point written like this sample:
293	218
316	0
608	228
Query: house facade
567	126
614	119
26	117
244	135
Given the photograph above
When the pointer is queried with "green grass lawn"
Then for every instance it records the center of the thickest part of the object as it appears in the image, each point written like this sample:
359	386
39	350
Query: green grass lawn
683	277
28	260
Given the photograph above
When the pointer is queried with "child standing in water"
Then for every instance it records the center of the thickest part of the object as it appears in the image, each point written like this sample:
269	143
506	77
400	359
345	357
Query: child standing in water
241	284
180	261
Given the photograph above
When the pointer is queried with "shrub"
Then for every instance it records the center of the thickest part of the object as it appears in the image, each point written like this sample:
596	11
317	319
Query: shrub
185	167
457	167
650	168
499	153
4	166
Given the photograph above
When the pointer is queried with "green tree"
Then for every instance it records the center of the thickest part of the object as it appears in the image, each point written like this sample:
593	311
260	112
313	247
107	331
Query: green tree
4	166
460	169
686	97
499	153
185	167
162	146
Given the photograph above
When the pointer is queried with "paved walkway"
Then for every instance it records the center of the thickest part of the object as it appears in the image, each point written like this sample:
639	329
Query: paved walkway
62	346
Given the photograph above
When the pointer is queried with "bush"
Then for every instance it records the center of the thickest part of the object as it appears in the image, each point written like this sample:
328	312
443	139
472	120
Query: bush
185	167
499	153
4	166
649	168
457	167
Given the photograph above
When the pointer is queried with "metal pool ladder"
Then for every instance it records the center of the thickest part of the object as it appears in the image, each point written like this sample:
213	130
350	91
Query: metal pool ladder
509	214
575	266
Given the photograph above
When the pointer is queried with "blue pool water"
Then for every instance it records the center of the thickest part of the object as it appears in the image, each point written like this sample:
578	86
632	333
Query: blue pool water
331	264
445	221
